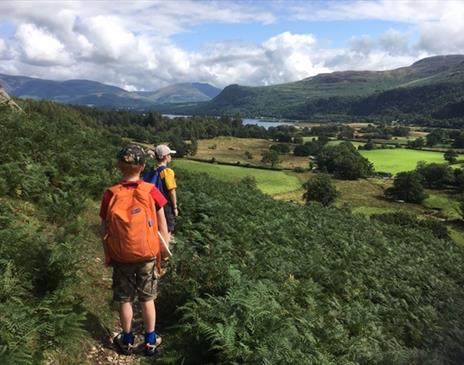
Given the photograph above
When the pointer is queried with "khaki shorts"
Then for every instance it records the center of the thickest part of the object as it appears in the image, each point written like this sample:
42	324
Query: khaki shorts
131	279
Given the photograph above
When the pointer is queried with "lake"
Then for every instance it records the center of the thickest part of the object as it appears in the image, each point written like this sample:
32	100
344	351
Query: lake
263	123
245	121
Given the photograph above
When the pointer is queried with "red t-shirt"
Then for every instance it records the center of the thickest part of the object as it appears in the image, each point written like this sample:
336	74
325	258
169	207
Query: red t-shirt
158	198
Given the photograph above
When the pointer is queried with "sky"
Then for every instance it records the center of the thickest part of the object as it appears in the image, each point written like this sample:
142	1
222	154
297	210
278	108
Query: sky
146	45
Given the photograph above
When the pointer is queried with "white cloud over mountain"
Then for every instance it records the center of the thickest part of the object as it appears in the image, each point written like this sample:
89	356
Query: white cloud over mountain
131	44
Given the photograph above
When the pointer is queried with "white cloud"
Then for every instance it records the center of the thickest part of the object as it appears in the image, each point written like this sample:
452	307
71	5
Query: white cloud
130	44
39	47
109	38
3	48
438	23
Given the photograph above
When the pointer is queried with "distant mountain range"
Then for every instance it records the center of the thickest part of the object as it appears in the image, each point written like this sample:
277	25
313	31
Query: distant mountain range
86	92
432	87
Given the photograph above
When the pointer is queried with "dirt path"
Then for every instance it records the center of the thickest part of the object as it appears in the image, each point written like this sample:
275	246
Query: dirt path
94	288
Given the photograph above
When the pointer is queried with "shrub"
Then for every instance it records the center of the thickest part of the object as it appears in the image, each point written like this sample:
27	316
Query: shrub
270	157
407	186
281	149
321	189
451	156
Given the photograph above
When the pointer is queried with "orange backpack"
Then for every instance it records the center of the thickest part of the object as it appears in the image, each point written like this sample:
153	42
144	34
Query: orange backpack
131	225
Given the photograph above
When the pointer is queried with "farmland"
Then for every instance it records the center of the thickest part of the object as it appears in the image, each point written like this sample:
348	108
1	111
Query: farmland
231	150
400	159
268	181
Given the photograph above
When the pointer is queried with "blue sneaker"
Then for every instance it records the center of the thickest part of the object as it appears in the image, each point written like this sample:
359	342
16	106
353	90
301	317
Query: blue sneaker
151	347
125	347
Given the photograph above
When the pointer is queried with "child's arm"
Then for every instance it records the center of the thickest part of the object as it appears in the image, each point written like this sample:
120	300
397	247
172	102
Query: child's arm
162	226
173	197
104	236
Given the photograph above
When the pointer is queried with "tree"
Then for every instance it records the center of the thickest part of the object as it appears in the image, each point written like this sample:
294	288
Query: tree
344	161
298	140
459	141
417	143
281	149
193	147
434	137
270	157
459	180
407	186
435	175
321	189
346	132
369	145
451	156
283	137
177	144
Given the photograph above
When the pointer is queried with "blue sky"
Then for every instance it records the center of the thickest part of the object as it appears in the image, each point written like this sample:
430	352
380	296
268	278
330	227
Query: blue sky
336	33
144	45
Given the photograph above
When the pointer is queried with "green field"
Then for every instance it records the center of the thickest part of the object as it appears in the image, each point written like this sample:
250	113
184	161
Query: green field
400	159
268	181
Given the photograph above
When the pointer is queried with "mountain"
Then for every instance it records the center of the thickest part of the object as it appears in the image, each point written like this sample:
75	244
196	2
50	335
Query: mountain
5	100
427	86
86	92
181	93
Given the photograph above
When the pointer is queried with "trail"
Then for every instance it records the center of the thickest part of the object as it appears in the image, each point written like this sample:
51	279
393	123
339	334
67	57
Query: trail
94	287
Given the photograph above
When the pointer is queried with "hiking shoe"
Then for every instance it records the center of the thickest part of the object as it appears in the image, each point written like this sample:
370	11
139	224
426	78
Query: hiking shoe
152	348
125	348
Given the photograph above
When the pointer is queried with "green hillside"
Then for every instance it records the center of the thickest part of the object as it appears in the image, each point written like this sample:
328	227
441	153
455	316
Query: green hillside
252	280
392	93
261	281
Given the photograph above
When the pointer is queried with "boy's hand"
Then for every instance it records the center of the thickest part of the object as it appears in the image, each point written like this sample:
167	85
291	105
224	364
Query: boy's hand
176	211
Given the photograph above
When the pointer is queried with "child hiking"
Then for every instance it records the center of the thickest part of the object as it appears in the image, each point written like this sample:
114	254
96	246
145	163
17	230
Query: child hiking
131	213
164	179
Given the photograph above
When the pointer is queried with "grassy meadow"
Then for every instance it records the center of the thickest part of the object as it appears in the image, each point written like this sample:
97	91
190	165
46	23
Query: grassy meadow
232	150
268	181
400	159
364	196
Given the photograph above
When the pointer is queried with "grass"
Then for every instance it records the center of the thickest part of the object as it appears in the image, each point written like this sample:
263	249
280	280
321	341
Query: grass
442	202
269	182
232	149
368	211
337	141
399	159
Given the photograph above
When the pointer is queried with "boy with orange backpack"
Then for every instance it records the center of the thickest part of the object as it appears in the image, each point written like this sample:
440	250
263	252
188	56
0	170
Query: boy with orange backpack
131	214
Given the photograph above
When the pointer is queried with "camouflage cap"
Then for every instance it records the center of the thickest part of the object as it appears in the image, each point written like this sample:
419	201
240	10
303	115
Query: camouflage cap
132	154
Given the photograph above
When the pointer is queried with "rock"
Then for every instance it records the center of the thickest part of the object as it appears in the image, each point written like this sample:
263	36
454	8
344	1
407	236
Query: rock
6	100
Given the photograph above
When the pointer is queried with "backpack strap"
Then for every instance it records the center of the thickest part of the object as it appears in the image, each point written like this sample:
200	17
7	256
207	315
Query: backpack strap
145	186
150	175
115	188
161	168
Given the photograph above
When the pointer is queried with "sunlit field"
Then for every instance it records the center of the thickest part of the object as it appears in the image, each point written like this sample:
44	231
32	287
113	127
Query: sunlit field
268	181
400	159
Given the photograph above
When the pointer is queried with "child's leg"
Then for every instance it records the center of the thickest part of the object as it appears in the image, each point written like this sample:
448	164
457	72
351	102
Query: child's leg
148	315
125	315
